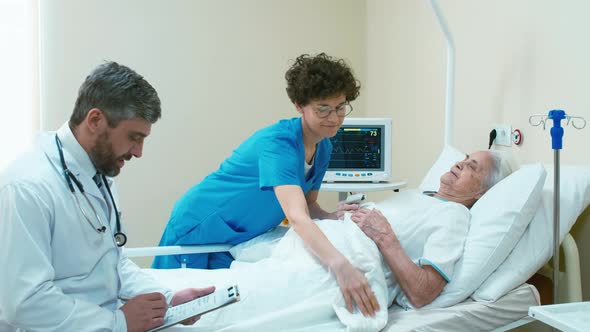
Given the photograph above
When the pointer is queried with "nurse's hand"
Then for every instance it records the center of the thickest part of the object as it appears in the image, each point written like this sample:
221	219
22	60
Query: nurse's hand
145	311
344	207
355	289
189	294
374	224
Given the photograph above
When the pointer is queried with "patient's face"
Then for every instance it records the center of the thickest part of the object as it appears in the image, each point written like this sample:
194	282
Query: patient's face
465	178
320	127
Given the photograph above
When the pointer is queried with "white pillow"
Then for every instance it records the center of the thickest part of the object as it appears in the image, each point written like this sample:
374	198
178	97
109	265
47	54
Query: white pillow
447	158
498	220
535	247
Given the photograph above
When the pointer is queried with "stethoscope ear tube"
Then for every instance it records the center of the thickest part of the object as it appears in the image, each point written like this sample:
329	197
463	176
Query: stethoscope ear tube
120	237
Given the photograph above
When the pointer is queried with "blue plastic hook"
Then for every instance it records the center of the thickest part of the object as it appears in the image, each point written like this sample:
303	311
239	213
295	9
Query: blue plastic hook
557	129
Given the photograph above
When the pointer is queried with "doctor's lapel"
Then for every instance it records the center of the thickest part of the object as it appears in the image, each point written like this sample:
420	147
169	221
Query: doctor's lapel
48	146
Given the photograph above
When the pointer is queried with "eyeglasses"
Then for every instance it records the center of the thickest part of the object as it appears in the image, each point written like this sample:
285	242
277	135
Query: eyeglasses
342	110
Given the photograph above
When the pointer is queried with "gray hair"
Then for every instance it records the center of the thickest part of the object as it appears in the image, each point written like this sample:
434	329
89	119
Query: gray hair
119	92
500	169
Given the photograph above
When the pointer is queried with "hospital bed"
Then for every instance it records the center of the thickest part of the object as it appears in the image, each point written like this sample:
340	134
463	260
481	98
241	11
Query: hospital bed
503	314
509	312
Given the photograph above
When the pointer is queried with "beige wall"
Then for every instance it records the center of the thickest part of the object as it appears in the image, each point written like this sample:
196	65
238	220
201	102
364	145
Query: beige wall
514	59
218	66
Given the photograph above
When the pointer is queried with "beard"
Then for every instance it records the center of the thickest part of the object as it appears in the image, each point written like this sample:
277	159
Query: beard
104	158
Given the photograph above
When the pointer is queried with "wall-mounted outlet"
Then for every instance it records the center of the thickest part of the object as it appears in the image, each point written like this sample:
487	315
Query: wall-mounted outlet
503	134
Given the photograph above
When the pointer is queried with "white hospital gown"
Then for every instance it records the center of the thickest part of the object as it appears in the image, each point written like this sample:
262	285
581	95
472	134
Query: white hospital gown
431	231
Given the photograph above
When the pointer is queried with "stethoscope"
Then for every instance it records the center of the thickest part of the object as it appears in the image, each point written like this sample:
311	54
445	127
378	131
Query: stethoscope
120	237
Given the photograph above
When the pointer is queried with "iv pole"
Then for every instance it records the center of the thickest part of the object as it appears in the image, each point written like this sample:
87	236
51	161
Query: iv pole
556	144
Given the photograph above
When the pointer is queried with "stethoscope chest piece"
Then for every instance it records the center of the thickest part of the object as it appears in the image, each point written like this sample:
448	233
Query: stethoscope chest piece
120	239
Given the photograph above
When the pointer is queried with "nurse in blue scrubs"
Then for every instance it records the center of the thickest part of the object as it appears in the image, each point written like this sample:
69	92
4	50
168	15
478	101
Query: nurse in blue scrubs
276	173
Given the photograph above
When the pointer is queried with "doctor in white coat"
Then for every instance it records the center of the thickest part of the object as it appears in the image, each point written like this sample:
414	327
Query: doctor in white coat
60	230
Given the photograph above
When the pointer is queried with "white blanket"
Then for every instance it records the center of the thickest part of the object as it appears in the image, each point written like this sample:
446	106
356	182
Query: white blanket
291	290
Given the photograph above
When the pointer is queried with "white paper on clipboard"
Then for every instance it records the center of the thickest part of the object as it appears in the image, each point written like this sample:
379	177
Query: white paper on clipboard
199	306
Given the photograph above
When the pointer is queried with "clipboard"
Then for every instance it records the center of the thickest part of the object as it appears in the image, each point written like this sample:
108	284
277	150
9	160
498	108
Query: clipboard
199	306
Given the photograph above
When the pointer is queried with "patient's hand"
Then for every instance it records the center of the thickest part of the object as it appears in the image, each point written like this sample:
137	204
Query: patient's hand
373	223
344	207
189	294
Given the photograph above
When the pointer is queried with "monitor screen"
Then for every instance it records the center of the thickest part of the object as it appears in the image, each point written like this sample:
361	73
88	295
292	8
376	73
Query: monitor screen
357	147
361	151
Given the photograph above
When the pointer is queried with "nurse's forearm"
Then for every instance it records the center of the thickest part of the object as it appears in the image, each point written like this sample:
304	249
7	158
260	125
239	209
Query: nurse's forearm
317	242
297	208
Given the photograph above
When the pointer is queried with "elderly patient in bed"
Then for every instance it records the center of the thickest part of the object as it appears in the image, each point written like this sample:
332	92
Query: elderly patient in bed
407	247
422	241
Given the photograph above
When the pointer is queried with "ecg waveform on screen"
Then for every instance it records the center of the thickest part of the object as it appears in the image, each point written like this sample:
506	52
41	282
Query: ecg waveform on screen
356	148
349	150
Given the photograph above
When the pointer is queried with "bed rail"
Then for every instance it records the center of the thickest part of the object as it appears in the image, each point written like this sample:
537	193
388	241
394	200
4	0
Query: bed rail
176	250
571	276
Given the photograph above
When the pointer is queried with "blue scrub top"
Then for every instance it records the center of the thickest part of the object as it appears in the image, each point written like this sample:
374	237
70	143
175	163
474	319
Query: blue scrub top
237	202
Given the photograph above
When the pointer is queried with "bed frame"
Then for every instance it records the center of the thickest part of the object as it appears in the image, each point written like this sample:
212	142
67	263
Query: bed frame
570	273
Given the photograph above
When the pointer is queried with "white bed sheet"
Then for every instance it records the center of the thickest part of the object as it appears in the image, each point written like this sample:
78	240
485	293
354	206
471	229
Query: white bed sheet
291	291
279	290
468	315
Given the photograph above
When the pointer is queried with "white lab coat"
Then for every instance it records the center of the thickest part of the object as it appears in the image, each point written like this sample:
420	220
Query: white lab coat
58	273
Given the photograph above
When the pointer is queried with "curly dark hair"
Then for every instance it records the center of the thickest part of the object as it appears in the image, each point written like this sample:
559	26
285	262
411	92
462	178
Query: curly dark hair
319	77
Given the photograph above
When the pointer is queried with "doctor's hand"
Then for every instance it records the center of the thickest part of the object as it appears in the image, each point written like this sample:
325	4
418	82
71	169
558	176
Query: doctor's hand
189	294
374	224
355	289
344	207
145	311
